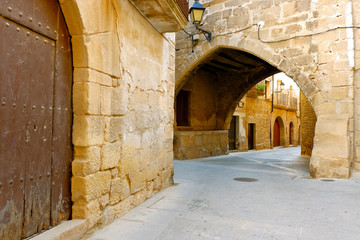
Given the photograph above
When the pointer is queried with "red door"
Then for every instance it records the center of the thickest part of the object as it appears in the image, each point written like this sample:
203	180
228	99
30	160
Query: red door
276	133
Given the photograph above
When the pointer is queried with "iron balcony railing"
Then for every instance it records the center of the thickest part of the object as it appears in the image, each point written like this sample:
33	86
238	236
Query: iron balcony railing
184	5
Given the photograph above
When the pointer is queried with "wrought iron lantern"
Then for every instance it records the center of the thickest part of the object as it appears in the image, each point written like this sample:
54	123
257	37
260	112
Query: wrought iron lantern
282	86
196	14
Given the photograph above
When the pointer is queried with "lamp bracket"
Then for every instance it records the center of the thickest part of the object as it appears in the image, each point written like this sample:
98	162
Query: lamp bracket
206	33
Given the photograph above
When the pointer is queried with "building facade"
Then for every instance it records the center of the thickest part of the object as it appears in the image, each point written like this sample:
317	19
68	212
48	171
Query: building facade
262	122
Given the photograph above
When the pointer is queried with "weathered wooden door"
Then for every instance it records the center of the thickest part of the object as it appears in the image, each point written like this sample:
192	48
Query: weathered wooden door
232	134
276	142
35	117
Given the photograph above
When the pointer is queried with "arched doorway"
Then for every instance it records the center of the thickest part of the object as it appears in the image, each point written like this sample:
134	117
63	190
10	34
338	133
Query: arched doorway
291	133
276	141
35	117
278	133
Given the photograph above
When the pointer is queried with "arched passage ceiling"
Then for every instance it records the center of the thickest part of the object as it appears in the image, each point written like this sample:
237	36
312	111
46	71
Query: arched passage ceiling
235	72
225	61
229	60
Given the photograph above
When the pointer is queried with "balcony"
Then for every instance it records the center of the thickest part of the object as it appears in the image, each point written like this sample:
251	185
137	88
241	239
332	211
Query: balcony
285	100
164	15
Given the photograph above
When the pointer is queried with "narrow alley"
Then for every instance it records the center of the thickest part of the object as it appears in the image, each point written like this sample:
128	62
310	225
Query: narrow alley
274	199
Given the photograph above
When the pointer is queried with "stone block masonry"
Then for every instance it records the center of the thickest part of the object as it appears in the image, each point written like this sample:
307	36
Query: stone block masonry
313	42
308	122
123	95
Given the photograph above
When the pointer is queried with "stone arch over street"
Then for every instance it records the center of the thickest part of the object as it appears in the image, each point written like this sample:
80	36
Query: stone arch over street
301	58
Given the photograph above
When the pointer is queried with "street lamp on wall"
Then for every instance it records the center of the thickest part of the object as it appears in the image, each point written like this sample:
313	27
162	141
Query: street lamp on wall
196	14
282	86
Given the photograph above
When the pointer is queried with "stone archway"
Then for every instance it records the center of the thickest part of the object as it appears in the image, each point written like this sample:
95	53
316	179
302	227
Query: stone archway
304	49
320	164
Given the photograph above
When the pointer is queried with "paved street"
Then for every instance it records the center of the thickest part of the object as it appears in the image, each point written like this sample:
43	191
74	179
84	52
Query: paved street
207	203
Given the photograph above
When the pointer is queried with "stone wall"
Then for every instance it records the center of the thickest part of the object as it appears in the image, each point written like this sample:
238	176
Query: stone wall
198	144
307	126
123	98
301	39
258	112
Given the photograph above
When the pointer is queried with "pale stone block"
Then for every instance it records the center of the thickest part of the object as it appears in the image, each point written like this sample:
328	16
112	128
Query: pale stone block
335	127
80	52
119	191
129	162
289	9
329	168
106	95
157	183
293	28
88	130
140	197
104	49
85	189
86	98
325	108
137	181
110	154
114	129
114	173
90	75
73	17
326	38
340	78
90	211
119	102
87	161
167	177
132	142
338	93
151	172
104	200
331	146
121	208
97	16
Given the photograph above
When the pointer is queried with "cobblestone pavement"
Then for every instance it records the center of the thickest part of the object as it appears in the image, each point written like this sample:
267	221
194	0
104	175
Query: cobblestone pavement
275	199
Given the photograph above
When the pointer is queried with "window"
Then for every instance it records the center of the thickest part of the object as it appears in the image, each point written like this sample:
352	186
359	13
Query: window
182	108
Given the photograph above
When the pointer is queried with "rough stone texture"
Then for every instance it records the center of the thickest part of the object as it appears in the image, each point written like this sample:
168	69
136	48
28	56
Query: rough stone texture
321	64
308	121
123	94
198	144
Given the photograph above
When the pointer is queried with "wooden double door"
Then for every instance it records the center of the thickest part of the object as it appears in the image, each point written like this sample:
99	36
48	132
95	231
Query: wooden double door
35	117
